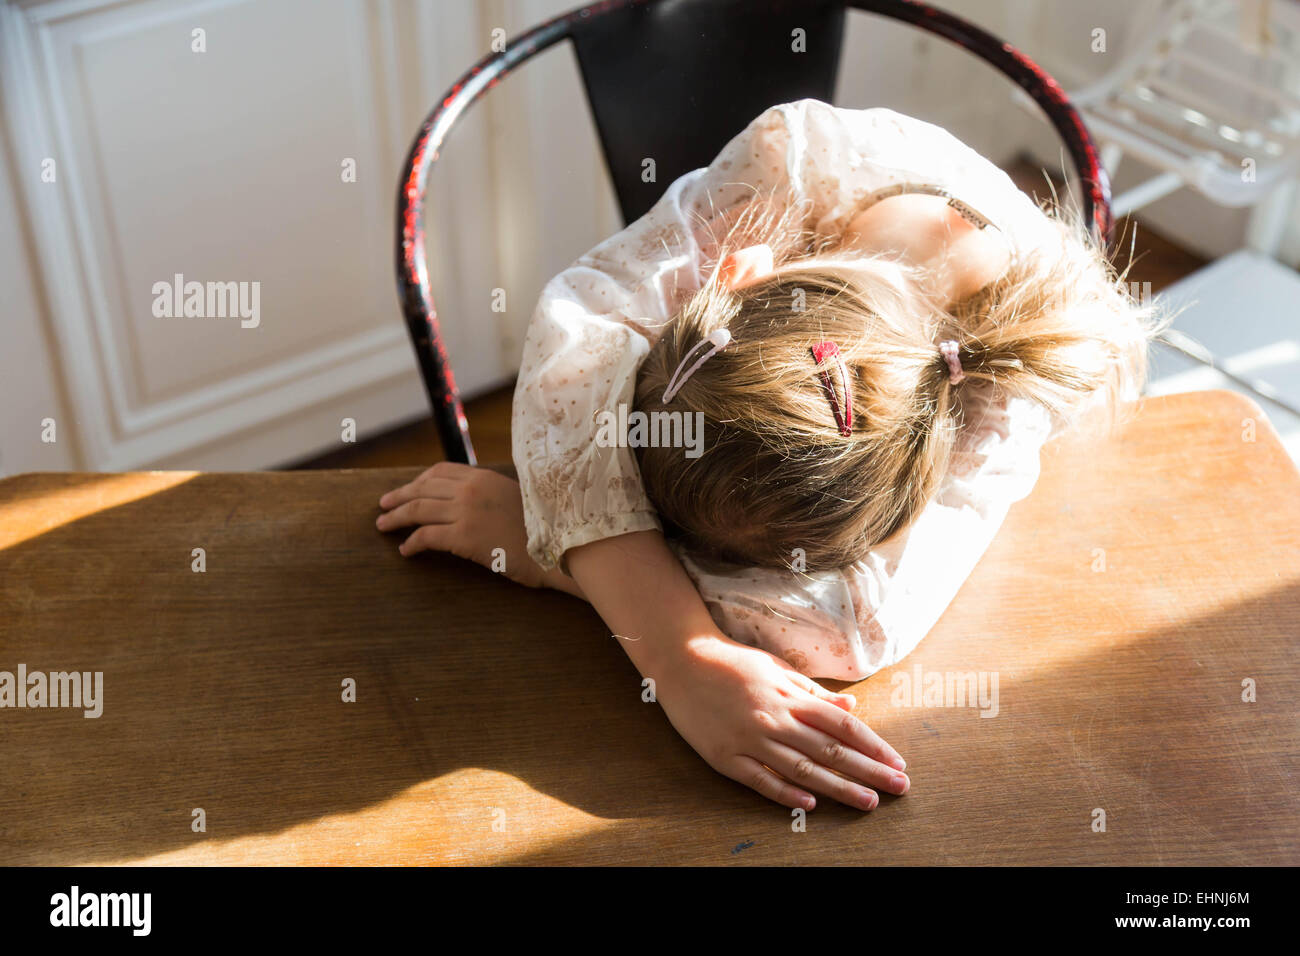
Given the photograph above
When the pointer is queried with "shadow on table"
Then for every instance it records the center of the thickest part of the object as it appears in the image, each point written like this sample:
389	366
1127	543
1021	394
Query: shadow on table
1154	730
223	691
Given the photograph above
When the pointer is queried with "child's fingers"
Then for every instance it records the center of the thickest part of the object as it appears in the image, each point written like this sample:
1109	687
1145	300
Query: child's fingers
802	771
420	488
758	778
843	701
842	758
429	537
850	730
846	701
418	511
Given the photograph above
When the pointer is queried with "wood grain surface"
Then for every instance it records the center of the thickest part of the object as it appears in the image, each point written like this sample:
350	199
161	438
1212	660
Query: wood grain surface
1121	608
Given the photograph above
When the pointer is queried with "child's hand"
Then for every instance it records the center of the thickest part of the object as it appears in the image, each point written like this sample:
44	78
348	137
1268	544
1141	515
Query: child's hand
749	714
470	512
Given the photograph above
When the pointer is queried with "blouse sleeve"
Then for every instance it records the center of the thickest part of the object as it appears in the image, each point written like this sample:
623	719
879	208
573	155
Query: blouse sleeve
846	625
593	326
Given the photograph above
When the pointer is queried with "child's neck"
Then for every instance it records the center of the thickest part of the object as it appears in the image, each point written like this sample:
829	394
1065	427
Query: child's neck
928	233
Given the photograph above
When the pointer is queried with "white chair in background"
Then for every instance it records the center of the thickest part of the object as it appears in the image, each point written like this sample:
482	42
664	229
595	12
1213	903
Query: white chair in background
1208	94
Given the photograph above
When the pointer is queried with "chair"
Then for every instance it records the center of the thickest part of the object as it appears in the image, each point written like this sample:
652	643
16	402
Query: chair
1208	94
1201	94
644	62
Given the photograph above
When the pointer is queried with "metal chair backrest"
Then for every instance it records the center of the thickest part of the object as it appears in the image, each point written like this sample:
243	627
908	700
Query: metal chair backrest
673	81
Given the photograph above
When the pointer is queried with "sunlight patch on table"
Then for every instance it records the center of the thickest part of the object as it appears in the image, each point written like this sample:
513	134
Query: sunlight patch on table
30	516
470	816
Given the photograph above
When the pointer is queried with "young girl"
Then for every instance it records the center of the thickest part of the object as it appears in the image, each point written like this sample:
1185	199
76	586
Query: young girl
878	332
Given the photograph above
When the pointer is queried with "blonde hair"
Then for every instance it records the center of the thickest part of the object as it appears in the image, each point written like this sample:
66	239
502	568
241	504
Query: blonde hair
776	474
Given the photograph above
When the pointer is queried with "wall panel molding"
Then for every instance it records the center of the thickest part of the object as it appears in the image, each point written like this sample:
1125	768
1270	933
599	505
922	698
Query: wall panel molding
53	62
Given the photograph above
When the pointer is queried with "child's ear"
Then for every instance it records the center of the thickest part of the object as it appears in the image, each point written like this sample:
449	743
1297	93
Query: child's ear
745	267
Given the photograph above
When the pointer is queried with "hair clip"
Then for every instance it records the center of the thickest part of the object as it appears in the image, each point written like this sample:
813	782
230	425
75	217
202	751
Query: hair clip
949	350
820	353
718	338
967	212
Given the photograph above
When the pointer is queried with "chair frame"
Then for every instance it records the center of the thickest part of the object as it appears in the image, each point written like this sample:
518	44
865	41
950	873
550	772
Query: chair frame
413	288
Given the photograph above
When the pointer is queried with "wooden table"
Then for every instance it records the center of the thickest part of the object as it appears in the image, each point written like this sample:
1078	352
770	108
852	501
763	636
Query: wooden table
1122	607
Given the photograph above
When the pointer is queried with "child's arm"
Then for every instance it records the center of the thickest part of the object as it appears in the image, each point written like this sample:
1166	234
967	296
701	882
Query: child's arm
745	712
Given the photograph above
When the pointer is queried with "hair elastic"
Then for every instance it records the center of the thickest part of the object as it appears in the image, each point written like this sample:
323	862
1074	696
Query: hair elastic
718	338
949	350
820	353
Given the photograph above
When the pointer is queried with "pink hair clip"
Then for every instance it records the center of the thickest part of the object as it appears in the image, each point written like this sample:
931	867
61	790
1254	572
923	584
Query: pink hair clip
718	338
948	349
820	353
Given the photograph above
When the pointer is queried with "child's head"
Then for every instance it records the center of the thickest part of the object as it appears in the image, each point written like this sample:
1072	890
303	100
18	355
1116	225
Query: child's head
777	474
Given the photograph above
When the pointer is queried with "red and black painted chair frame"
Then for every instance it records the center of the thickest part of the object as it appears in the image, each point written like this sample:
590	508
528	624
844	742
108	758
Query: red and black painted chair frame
412	274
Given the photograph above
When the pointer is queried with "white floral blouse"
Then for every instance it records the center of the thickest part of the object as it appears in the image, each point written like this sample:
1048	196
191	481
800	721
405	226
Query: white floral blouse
597	320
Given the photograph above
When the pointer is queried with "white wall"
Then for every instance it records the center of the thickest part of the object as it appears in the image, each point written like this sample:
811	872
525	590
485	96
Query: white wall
30	383
226	165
